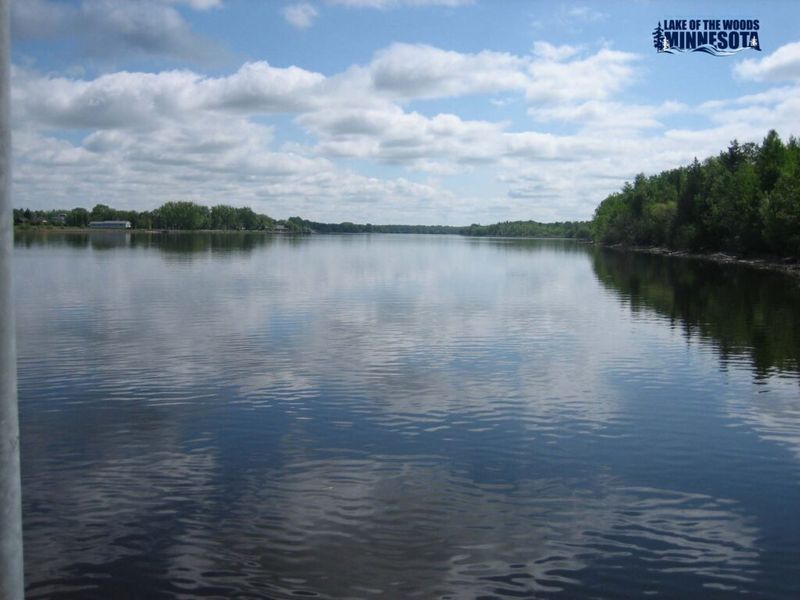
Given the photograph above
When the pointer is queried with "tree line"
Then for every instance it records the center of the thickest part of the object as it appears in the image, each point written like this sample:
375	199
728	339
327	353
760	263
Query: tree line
746	201
565	229
171	215
194	217
348	227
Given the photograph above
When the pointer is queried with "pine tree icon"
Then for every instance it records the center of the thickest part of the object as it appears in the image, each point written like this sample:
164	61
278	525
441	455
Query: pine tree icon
658	38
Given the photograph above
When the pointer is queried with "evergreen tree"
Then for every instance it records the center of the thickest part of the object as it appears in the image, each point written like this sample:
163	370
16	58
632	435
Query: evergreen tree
658	38
770	161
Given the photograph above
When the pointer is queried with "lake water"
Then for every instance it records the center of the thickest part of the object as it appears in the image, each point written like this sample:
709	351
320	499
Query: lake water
377	416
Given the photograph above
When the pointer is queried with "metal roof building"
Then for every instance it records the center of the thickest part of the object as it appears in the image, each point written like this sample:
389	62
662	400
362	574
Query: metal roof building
110	224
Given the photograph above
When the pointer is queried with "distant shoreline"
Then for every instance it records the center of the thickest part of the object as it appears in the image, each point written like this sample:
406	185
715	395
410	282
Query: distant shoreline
65	229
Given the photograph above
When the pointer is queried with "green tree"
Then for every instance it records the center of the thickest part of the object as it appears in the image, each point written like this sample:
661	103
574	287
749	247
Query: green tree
142	220
101	212
247	218
781	214
181	215
223	217
770	161
78	217
735	210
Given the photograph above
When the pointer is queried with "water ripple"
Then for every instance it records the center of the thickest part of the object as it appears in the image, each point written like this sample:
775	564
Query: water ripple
401	417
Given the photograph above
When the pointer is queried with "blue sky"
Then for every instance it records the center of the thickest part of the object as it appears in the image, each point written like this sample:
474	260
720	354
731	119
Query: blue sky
382	111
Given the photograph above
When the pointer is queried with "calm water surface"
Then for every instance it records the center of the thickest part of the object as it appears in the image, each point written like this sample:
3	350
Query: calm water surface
244	416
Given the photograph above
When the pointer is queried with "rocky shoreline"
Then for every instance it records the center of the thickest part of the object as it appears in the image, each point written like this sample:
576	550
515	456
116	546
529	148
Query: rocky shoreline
790	266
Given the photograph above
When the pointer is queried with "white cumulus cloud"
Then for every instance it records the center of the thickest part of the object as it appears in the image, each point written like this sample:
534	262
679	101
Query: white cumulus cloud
418	71
781	65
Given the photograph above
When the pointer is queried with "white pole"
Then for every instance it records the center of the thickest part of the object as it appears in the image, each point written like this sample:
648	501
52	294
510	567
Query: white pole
11	574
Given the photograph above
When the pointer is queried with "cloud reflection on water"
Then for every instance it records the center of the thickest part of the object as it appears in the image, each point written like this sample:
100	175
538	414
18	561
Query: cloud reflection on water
365	415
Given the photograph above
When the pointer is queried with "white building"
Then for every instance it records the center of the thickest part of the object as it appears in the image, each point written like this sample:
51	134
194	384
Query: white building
110	224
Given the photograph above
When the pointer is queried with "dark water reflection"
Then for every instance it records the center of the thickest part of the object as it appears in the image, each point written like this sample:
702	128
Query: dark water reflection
740	310
250	416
